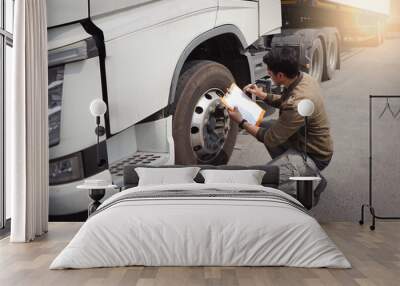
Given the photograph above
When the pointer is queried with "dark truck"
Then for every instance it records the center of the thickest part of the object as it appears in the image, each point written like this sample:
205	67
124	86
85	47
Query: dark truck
319	28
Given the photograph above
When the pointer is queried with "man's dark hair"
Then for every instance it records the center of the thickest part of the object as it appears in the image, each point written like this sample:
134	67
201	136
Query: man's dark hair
283	60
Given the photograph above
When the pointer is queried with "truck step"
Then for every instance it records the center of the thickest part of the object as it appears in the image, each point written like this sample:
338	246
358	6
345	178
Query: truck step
139	158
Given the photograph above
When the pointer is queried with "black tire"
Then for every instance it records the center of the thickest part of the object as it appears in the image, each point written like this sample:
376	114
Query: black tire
332	54
198	77
317	60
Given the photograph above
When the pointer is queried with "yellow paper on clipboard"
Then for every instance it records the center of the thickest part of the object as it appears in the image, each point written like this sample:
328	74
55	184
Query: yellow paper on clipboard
250	110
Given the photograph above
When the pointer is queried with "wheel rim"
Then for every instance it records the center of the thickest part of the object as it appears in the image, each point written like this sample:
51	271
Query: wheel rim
317	63
210	126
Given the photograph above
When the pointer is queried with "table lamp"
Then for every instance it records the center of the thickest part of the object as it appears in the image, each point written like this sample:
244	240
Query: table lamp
305	108
98	108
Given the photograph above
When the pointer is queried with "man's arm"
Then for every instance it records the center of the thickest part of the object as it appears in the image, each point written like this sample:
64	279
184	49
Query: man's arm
252	129
287	125
289	122
237	117
271	99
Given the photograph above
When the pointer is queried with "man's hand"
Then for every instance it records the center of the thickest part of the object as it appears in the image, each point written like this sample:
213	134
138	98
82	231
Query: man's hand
235	115
255	90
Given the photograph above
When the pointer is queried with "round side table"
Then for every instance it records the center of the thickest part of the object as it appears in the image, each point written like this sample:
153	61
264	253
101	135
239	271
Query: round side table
304	190
96	193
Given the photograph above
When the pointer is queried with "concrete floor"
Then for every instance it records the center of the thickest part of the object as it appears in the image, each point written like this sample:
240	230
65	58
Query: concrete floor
364	71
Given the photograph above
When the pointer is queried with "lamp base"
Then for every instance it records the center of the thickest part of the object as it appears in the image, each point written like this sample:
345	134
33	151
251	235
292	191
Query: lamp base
96	195
305	193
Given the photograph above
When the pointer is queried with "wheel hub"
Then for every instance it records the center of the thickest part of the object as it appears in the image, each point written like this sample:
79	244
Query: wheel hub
209	126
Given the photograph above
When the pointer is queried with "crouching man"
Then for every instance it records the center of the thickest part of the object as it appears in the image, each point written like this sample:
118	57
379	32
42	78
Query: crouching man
284	137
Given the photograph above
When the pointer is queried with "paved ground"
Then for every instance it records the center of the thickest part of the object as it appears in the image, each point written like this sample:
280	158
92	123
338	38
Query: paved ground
365	71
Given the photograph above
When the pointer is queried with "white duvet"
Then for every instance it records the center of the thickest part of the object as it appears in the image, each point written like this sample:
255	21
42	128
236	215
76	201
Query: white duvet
200	231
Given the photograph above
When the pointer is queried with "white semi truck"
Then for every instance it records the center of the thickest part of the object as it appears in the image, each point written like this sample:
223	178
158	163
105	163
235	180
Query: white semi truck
161	66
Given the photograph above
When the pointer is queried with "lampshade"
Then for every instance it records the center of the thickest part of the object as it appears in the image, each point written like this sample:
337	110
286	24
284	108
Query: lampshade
98	107
305	107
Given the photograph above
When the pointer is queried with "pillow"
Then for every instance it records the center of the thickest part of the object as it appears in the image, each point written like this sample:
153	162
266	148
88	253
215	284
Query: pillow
248	177
162	176
270	179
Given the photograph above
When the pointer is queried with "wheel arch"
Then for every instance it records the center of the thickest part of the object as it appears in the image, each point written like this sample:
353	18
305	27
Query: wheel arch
192	52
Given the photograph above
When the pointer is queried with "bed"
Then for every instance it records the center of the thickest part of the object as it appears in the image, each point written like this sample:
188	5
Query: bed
201	224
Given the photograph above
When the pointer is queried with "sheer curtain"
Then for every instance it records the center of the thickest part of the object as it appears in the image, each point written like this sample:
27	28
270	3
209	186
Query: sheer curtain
27	151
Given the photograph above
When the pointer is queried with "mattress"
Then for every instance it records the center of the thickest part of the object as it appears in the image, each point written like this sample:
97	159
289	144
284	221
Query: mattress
201	225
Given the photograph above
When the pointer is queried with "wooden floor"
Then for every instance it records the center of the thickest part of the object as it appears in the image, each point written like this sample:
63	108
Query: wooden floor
375	257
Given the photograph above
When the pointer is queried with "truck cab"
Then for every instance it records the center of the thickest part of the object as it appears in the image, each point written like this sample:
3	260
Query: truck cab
141	58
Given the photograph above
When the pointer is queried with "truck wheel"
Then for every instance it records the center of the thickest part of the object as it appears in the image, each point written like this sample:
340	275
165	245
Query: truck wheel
317	60
202	130
379	37
331	58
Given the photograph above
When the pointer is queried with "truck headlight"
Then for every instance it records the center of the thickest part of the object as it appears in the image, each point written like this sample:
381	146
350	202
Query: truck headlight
74	52
66	170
